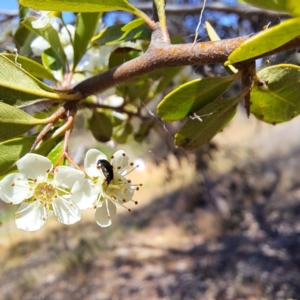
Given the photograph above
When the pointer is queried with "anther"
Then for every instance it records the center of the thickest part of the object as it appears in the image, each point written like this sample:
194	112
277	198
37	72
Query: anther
123	154
13	184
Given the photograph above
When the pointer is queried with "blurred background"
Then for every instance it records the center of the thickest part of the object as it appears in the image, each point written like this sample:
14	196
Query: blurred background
217	223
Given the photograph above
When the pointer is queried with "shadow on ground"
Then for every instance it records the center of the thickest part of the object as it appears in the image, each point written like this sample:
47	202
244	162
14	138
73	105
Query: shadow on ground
224	236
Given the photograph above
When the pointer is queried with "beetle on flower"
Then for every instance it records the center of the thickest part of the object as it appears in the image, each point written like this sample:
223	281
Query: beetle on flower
116	188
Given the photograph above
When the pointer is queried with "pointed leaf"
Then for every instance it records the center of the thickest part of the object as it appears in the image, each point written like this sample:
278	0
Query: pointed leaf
120	33
212	34
191	97
266	41
81	6
86	24
214	117
56	153
19	88
50	35
132	25
52	62
31	66
14	122
276	101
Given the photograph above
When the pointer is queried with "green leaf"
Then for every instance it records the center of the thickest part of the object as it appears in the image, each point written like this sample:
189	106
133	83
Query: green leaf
120	33
51	61
101	126
56	153
51	36
31	66
121	55
82	6
86	24
143	131
277	99
167	76
12	150
132	25
278	5
191	97
212	34
19	88
266	41
293	7
14	122
122	133
215	116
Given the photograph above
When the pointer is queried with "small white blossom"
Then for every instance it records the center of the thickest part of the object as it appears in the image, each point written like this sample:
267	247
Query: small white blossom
65	34
39	45
45	19
39	188
116	189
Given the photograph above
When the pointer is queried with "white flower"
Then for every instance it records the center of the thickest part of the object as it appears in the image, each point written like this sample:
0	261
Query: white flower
116	189
39	188
65	34
45	19
39	45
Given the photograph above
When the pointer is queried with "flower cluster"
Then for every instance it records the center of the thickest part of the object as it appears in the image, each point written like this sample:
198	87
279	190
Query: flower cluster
38	188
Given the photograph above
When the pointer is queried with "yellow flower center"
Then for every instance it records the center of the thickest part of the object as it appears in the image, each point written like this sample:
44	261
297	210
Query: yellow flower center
44	192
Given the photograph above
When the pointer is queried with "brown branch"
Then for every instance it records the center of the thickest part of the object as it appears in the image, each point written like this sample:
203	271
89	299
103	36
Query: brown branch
161	55
195	9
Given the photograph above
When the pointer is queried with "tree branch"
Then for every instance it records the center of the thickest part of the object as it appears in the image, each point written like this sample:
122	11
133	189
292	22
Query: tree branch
161	55
192	9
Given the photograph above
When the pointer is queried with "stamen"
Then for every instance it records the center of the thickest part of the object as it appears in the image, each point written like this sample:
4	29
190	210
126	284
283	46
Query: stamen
12	184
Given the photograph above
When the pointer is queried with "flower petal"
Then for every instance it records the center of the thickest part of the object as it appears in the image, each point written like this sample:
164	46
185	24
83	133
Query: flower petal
65	211
105	214
14	189
34	166
120	161
85	194
39	45
66	176
90	162
31	216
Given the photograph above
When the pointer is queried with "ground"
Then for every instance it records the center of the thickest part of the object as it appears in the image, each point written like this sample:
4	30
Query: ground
230	232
